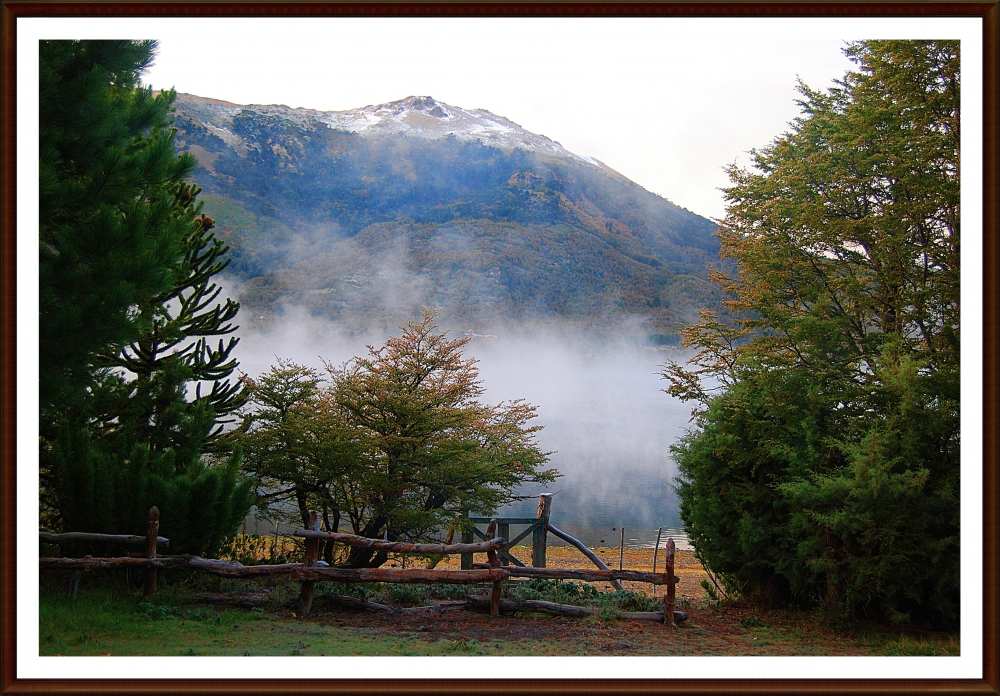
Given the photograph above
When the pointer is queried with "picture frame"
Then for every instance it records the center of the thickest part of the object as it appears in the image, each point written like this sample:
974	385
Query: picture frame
493	679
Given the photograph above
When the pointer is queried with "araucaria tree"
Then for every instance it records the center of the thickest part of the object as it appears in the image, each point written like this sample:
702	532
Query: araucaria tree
824	465
397	444
127	316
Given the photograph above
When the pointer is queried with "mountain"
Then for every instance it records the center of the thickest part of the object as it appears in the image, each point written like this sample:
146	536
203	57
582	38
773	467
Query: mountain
364	216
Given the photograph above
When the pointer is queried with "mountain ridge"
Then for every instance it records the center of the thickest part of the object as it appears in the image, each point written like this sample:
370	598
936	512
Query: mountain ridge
480	210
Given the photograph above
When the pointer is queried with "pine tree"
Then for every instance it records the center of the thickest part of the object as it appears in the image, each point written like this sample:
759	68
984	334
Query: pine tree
175	348
119	431
108	232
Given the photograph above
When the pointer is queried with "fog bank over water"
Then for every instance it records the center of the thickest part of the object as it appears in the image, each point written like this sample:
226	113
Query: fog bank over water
609	425
605	417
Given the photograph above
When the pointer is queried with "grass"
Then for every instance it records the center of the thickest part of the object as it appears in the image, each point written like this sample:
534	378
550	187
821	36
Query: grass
109	617
103	622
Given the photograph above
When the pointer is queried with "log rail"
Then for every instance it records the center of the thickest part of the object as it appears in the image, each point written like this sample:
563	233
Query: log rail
585	575
400	547
311	571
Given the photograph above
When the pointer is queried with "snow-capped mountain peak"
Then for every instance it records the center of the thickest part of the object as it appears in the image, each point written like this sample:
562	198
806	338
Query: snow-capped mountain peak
415	116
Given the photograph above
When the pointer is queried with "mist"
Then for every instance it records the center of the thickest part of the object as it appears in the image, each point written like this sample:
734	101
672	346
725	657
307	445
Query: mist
606	421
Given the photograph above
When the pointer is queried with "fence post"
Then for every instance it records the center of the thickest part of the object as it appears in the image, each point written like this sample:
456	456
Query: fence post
503	530
491	532
659	533
311	556
466	539
74	583
152	531
621	552
539	537
668	598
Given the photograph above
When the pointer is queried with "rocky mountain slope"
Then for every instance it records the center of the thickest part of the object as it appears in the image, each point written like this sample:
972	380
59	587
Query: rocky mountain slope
365	216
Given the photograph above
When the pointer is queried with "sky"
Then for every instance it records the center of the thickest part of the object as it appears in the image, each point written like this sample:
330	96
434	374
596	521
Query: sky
667	103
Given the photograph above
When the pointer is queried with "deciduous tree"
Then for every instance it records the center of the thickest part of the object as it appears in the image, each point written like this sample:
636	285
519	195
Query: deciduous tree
397	444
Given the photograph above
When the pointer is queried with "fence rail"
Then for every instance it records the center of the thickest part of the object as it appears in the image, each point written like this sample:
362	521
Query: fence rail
401	547
71	537
309	572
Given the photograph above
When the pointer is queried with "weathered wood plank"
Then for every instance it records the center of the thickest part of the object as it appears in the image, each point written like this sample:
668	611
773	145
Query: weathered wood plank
215	567
504	520
481	602
400	547
491	531
308	587
621	552
540	531
152	534
503	531
520	536
466	557
235	570
436	607
586	552
584	574
70	537
668	599
401	575
356	603
511	560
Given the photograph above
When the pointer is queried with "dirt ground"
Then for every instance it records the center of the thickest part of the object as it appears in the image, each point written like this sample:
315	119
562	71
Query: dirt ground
731	629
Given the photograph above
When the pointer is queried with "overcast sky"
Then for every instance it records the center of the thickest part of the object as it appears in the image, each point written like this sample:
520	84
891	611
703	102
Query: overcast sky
668	103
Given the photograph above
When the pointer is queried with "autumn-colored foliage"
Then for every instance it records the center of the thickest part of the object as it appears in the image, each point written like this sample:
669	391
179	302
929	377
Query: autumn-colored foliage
396	443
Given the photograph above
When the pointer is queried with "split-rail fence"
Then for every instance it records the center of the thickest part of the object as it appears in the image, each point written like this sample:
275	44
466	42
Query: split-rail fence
500	565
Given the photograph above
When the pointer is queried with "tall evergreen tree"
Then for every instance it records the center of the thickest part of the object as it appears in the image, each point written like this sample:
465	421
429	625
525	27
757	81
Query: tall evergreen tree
120	431
109	235
175	348
825	462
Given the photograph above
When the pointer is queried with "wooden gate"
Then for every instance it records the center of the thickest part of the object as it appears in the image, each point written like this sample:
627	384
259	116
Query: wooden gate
537	527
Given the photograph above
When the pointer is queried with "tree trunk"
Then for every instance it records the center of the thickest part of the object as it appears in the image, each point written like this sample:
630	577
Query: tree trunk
330	527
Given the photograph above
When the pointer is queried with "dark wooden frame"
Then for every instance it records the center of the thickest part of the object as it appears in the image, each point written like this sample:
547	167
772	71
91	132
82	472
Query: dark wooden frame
11	10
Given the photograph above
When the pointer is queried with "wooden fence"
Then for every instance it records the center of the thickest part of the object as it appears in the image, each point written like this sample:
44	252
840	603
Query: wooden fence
152	540
310	571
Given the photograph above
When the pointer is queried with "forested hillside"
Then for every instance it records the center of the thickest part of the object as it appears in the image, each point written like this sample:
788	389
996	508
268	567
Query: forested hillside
367	228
